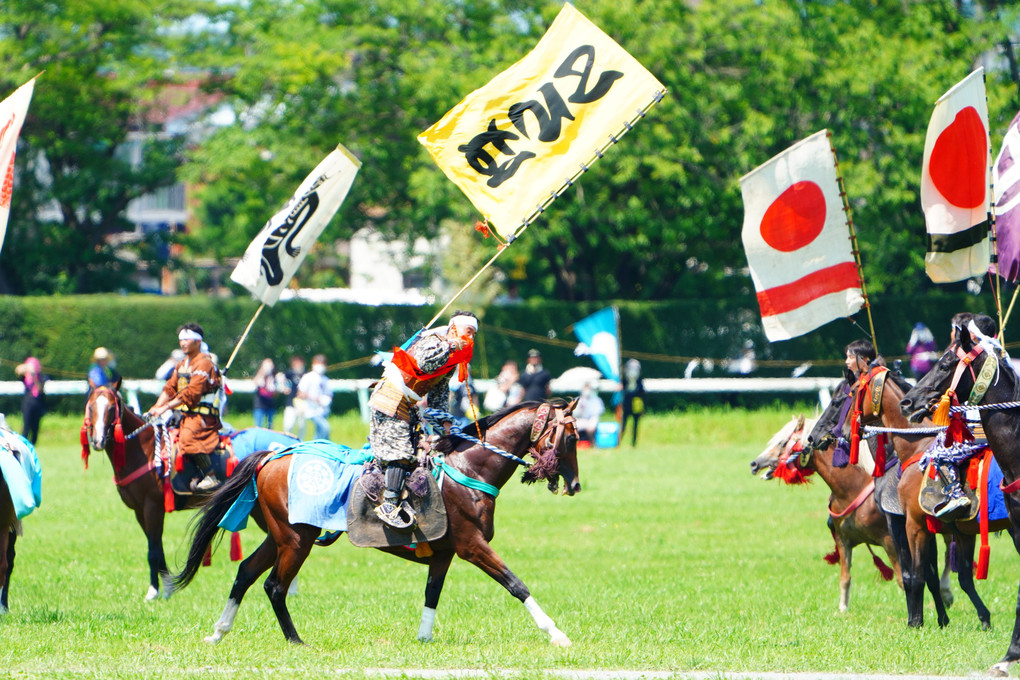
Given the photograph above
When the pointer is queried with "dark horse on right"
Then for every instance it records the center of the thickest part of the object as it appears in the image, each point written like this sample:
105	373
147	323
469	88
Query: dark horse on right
956	371
546	430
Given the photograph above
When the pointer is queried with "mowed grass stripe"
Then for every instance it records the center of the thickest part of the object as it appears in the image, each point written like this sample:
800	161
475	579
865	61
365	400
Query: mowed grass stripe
673	559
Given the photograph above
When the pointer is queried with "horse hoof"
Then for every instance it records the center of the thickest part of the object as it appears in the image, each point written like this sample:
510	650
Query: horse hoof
3	610
986	625
151	595
999	670
424	638
212	639
561	641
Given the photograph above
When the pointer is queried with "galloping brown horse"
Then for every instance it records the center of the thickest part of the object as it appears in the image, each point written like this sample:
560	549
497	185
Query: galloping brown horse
130	444
469	514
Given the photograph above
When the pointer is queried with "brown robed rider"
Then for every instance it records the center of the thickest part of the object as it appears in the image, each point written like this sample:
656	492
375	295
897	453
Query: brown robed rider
192	390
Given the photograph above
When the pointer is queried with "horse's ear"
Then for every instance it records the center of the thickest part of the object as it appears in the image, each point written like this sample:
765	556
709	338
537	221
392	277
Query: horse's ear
116	385
965	338
800	421
570	407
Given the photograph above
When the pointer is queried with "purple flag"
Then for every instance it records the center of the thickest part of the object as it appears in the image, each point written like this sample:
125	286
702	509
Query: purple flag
1006	176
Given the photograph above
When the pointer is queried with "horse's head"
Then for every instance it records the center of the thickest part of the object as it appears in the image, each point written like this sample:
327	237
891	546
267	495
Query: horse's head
954	375
768	459
102	422
554	446
821	435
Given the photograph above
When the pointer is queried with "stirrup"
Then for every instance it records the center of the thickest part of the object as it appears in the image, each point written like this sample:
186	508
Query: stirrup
208	483
953	507
396	516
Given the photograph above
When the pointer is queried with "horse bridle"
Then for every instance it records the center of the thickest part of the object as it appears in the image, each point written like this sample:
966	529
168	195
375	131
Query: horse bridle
549	432
118	431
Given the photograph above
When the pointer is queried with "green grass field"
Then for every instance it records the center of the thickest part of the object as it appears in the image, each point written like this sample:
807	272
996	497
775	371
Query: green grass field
672	558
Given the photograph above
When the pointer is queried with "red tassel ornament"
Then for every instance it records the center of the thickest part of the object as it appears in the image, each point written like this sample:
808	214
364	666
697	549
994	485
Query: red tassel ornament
235	547
118	446
85	445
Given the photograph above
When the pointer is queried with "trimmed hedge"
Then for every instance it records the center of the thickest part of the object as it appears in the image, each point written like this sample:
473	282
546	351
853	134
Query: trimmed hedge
141	331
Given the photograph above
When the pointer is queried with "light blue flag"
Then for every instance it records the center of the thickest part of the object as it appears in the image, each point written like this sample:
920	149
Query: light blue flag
600	339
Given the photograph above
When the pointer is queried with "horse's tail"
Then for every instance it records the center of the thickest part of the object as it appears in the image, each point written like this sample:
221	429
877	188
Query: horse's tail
205	526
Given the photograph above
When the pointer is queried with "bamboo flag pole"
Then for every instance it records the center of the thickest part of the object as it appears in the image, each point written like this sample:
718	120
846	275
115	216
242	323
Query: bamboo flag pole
244	336
553	195
853	240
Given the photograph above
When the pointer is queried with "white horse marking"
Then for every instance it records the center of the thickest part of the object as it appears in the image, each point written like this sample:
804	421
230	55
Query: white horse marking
225	623
99	427
428	620
151	594
557	637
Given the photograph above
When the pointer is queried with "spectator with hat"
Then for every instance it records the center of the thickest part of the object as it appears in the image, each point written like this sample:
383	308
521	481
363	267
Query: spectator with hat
535	379
102	372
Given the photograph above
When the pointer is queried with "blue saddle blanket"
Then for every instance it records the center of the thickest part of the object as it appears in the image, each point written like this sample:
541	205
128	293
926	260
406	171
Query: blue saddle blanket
996	500
321	477
251	439
21	471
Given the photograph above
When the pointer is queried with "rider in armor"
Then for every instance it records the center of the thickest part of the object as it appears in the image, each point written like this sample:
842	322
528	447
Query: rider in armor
422	371
193	390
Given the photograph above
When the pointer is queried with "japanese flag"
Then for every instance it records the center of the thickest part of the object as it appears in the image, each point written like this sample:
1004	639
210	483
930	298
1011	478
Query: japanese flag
955	186
12	115
797	242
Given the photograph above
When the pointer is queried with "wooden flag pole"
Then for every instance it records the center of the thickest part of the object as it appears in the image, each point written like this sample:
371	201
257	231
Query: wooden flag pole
853	241
553	195
244	336
1009	310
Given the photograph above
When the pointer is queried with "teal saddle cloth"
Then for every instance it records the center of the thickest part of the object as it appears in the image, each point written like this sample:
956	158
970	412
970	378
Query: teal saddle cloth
21	471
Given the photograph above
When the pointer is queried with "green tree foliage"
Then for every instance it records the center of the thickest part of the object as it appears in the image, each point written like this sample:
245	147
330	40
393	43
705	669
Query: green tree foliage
101	63
659	217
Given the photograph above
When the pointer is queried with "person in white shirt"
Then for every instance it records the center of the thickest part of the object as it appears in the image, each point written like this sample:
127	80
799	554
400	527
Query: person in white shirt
313	389
589	409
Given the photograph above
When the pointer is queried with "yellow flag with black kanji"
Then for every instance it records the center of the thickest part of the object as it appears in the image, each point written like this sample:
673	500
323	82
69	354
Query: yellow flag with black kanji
511	145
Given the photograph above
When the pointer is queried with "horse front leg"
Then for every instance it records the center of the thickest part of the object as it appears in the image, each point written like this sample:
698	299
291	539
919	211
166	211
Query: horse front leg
438	567
151	518
250	569
845	561
477	551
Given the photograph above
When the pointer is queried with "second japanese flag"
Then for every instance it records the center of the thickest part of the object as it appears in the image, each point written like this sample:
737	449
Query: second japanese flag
797	241
955	193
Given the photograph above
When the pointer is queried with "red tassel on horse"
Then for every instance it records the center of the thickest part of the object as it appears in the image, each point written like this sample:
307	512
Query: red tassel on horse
235	547
879	455
231	464
85	445
207	557
981	566
168	495
118	446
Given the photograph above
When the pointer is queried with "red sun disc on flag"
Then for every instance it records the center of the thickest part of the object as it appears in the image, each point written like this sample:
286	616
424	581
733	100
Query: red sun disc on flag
959	160
796	218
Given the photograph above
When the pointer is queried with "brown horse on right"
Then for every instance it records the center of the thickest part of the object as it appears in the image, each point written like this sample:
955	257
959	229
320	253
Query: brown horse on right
469	513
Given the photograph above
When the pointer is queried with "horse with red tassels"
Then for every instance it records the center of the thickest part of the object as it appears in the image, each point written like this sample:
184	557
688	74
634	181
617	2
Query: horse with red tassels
854	517
474	469
131	445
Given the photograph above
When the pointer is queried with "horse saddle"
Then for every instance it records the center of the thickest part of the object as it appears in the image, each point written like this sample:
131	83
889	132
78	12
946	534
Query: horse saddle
422	493
932	495
184	471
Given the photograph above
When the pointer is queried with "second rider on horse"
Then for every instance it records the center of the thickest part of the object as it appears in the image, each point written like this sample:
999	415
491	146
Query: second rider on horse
193	390
422	371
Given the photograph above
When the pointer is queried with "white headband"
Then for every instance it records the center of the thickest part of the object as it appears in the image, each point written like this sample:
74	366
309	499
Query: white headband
463	321
188	334
983	340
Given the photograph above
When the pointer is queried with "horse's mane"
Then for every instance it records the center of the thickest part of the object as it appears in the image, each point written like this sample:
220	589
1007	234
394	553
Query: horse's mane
485	422
900	381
